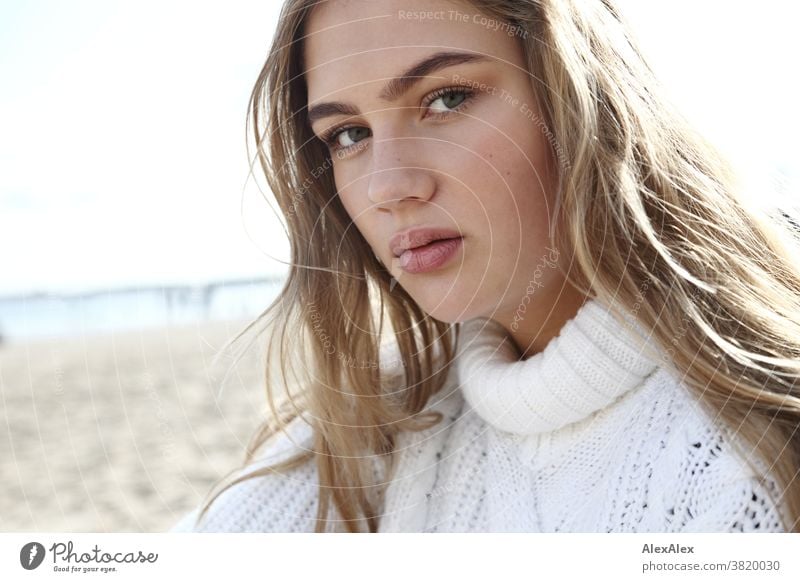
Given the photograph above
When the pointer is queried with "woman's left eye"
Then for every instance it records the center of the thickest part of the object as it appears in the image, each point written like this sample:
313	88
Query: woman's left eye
447	100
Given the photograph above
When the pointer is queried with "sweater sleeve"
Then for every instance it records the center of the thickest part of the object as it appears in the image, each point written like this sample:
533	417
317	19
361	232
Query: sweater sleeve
742	506
272	503
186	522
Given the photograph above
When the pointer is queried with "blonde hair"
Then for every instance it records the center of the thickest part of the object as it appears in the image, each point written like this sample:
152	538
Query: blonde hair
647	209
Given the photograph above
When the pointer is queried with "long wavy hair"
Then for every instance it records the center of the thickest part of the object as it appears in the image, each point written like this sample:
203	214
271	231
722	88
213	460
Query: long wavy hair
649	211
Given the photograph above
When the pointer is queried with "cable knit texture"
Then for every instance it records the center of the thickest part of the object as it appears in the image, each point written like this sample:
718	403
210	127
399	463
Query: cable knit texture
593	434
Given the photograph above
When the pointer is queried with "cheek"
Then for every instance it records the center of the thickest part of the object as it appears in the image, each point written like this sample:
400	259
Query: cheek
352	199
512	181
350	195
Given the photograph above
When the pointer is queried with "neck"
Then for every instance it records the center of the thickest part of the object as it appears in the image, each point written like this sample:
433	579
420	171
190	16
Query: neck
534	328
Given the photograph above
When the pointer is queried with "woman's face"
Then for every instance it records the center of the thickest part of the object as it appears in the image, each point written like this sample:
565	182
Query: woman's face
459	145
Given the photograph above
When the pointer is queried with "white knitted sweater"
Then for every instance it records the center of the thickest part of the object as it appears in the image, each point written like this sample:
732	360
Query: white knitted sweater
593	434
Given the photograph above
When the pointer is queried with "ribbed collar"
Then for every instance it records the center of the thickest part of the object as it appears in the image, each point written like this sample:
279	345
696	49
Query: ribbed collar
593	361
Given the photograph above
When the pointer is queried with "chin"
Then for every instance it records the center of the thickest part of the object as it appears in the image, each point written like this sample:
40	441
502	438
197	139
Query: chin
447	299
449	310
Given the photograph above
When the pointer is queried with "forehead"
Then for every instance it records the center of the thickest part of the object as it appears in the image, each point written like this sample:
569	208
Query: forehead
351	42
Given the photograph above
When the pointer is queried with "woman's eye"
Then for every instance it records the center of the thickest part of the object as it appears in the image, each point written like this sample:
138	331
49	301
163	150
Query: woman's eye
349	136
449	100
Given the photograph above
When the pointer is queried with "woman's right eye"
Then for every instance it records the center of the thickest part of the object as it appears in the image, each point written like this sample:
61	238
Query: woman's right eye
346	137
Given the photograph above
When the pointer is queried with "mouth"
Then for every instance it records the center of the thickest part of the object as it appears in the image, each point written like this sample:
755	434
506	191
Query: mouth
429	257
417	238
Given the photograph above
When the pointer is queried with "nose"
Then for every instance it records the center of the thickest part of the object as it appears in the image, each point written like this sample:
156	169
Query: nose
398	174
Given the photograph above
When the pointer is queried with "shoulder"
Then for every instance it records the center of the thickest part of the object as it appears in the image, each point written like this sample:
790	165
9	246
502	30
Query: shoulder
716	487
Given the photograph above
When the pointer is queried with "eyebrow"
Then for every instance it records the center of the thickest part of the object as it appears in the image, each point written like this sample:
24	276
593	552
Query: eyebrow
398	86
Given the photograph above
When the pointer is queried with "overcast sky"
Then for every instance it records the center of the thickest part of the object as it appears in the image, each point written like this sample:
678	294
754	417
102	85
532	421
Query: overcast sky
122	157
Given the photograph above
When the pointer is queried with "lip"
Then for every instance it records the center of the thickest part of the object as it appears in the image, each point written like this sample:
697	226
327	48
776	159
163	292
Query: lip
412	238
431	256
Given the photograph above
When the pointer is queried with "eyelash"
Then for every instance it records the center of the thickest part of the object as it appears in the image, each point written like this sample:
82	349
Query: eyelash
331	136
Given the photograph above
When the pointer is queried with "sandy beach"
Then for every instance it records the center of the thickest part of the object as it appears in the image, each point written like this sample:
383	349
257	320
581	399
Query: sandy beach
121	432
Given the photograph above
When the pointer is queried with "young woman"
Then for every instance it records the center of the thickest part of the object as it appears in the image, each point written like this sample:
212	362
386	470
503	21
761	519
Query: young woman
524	294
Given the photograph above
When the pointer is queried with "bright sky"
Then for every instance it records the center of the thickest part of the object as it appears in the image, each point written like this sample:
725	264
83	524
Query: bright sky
122	157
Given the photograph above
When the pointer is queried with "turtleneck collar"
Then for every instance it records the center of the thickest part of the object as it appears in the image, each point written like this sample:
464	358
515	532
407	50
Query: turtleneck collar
593	360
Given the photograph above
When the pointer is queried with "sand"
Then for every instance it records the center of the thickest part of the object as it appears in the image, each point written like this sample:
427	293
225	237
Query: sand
120	432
